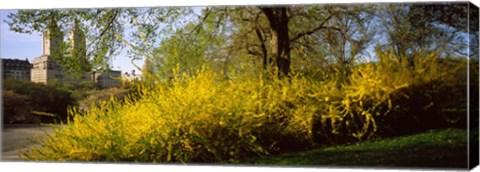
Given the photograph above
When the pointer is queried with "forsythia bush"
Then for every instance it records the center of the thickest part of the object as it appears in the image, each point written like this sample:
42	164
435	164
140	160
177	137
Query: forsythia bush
198	118
390	94
207	118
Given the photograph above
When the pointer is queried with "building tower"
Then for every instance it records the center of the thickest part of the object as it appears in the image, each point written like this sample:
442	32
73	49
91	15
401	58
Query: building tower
45	67
77	41
52	39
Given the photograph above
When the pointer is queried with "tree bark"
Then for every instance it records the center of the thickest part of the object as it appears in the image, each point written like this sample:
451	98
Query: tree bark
263	47
280	43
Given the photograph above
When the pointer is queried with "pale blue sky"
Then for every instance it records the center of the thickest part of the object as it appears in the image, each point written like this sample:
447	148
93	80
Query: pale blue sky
20	46
17	45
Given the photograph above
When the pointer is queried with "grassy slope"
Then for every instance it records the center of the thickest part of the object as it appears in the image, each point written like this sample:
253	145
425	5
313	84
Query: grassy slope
433	149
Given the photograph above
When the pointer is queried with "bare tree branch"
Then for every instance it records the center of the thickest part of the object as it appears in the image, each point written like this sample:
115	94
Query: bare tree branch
320	26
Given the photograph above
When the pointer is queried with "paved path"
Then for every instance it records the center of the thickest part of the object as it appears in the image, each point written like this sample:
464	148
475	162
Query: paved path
15	139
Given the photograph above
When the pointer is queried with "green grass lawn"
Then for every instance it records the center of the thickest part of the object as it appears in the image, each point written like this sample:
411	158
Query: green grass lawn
433	149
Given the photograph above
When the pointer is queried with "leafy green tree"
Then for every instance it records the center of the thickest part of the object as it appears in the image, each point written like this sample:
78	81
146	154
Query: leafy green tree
188	53
278	37
425	28
105	28
460	17
100	26
346	36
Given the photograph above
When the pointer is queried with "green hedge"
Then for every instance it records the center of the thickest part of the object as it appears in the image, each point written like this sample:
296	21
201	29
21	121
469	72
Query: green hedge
40	99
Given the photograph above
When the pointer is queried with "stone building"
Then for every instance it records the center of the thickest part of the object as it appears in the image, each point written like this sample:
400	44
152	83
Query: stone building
16	69
108	79
46	68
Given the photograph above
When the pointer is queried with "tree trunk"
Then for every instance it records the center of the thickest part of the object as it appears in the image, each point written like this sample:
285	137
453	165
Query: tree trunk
264	54
280	43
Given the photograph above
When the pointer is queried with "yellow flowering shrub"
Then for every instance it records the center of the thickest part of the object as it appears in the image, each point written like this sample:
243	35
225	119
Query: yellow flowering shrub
201	118
381	94
207	118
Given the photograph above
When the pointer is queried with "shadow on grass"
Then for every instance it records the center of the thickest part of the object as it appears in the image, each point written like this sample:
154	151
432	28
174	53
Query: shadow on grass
434	149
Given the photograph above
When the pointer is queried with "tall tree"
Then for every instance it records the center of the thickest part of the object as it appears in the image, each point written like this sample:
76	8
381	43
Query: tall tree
280	41
273	27
100	27
347	35
425	28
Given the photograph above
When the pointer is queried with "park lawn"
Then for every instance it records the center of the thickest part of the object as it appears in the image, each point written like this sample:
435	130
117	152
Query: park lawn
433	149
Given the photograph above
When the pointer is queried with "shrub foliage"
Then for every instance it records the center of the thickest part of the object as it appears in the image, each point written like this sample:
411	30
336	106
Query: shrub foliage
45	99
207	118
15	108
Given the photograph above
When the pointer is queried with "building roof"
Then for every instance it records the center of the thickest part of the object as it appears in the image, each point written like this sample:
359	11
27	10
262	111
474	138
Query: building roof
14	62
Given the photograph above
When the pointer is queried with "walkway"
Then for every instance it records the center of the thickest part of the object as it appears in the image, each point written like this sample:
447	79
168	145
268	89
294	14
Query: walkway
15	138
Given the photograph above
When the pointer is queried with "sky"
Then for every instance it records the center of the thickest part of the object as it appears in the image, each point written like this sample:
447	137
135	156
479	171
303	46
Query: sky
16	45
28	46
